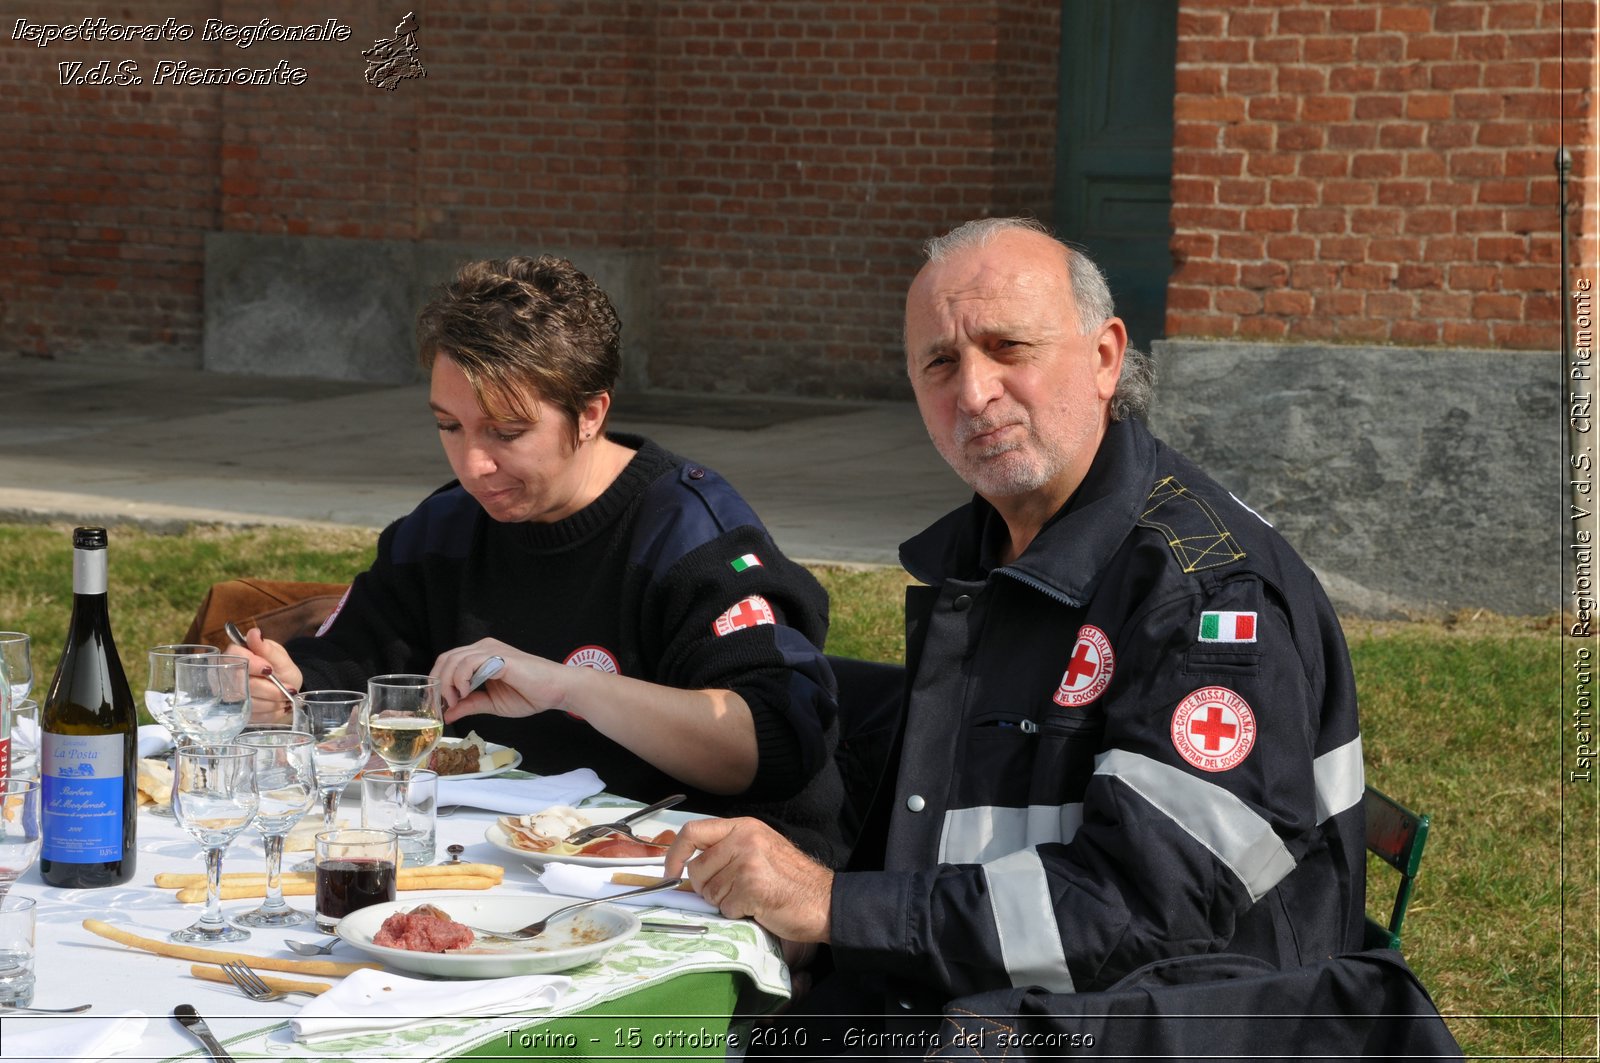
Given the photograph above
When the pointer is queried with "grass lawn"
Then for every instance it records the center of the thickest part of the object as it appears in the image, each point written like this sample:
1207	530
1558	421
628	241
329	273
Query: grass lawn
1461	720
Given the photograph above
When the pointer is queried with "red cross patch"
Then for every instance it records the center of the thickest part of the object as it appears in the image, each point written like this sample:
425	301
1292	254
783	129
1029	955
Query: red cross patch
1089	671
1213	729
751	612
326	624
597	657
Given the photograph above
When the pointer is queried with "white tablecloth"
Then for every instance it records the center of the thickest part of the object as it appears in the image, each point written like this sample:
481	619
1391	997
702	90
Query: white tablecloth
75	966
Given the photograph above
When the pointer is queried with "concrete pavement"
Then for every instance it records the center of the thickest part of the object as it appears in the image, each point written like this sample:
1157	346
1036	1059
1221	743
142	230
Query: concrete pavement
162	447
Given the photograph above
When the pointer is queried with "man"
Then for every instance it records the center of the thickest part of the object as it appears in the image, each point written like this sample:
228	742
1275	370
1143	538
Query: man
1131	724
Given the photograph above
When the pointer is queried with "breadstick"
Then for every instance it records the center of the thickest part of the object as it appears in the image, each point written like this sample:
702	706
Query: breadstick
209	955
288	985
178	880
232	891
623	878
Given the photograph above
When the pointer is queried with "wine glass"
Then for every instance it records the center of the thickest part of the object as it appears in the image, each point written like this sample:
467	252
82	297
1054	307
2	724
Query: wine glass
17	662
341	750
403	720
158	694
19	830
286	785
211	697
214	796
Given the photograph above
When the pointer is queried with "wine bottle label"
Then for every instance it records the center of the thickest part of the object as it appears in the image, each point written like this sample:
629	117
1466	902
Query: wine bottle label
5	759
81	790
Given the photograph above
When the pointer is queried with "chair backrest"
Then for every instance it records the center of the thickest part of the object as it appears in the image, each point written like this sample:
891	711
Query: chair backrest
1396	835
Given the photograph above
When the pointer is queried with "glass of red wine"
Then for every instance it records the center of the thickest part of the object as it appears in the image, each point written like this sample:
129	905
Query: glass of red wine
356	867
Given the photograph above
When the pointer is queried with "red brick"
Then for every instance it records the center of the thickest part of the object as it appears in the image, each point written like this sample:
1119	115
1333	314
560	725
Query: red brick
1352	79
1325	164
1420	277
1249	80
1263	328
1269	220
1322	220
1328	50
1375	166
1210	109
1250	136
1235	301
1510	250
1337	304
1509	14
1431	47
1389	305
1327	109
1287	190
1276	50
1461	334
1505	193
1204	81
1269	164
1358	19
1180	297
1206	272
1274	108
1450	76
1414	333
1381	49
1526	337
1504	307
1399	136
1240	246
1427	106
1242	192
1427	221
1262	275
1302	137
1455	18
1287	303
1179	324
1377	108
1291	248
1405	20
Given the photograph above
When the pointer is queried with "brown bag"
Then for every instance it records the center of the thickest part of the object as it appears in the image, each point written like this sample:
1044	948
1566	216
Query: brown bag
282	609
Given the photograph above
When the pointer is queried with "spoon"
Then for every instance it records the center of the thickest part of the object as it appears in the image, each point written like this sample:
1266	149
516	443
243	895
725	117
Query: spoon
232	631
306	948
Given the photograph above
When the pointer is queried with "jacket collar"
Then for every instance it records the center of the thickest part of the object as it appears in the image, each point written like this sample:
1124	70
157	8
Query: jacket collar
1067	556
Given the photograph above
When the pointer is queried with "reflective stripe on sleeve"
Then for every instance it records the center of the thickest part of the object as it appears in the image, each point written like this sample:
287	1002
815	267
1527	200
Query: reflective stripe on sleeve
1229	828
1025	919
1341	779
973	835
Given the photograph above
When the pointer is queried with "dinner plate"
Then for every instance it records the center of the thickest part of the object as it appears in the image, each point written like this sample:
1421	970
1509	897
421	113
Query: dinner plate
570	942
375	763
671	819
516	758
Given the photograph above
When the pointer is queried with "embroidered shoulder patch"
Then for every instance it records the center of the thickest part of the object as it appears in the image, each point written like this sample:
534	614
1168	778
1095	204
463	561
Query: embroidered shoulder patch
1197	536
597	657
1227	627
1213	729
751	612
328	623
1089	671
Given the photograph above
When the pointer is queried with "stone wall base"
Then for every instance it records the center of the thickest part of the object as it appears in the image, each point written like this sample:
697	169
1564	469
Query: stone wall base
1415	481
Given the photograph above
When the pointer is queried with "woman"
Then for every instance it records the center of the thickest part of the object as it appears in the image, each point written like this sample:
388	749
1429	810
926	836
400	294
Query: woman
631	590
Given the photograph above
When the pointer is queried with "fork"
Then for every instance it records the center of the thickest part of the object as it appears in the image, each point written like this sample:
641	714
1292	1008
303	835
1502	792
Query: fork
534	929
251	985
590	833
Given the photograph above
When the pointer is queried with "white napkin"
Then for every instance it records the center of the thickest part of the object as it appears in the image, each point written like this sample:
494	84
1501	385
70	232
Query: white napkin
153	739
576	880
520	796
369	1001
85	1037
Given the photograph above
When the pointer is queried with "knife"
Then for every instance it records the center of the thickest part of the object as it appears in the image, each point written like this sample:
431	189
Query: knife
192	1022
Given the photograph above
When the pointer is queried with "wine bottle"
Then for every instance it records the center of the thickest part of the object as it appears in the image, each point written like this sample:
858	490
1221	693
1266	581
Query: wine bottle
87	771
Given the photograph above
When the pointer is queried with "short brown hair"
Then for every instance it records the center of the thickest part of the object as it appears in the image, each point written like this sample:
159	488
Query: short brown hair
522	324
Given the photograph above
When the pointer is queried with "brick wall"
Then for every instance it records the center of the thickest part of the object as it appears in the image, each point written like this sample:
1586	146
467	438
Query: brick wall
1376	172
782	161
1359	172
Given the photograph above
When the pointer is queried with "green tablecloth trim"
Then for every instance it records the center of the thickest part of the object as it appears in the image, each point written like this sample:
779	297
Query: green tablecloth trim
659	983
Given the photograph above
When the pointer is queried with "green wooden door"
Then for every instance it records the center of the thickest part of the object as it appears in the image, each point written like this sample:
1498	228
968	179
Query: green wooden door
1114	148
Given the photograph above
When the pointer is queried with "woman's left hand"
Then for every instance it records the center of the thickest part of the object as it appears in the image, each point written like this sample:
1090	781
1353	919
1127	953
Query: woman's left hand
526	685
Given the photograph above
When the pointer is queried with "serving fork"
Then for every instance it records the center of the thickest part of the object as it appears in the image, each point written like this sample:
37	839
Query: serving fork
534	929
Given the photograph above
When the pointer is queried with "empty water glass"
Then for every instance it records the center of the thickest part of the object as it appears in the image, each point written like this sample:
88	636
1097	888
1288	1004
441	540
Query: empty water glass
333	717
25	740
214	796
19	830
286	784
158	695
211	697
18	662
16	950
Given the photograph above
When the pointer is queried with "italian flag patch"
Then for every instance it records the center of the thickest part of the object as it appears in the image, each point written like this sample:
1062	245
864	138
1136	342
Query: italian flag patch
739	564
1227	627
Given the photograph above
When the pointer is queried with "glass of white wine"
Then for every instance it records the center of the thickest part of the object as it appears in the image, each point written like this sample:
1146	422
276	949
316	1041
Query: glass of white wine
403	718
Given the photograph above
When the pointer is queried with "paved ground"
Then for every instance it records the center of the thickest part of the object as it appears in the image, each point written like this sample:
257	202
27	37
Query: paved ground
163	447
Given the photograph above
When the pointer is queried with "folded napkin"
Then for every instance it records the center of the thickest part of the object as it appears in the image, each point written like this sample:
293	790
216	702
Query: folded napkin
575	880
153	739
85	1037
371	1001
520	796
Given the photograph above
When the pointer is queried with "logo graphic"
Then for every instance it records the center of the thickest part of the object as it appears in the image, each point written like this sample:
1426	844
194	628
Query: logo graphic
751	612
1227	627
597	657
393	59
1089	672
739	564
1213	729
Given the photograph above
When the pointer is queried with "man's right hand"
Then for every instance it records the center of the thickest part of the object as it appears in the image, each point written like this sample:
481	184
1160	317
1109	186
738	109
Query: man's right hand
746	868
267	705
